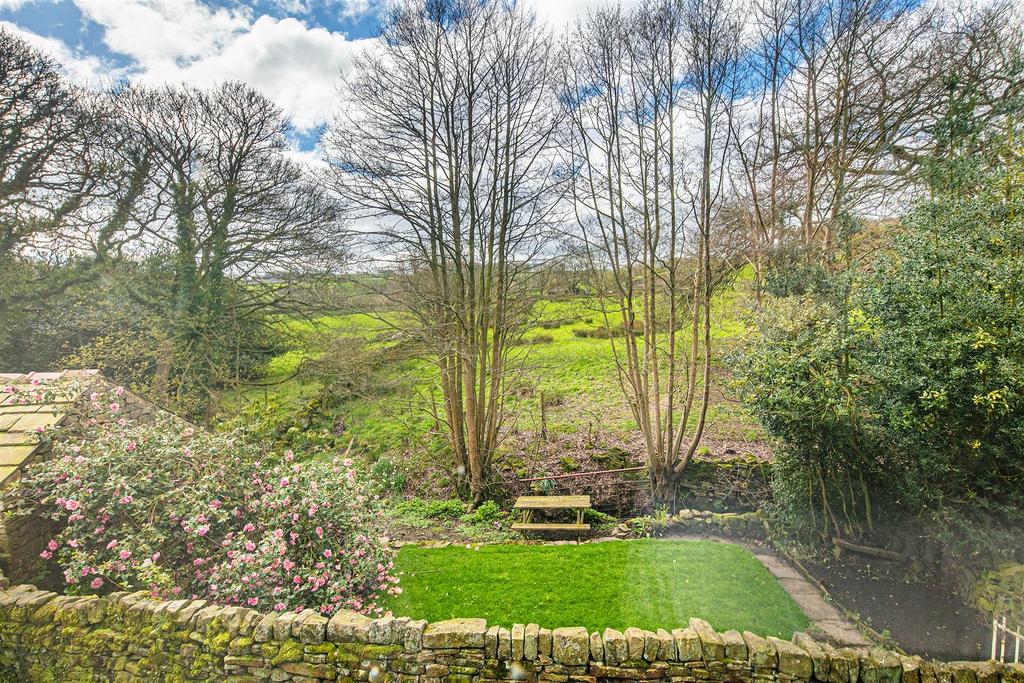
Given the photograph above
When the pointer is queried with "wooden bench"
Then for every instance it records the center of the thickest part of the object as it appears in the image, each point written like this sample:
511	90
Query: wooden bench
527	505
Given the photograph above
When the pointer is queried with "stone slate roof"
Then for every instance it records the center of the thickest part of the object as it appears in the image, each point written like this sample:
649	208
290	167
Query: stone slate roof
33	403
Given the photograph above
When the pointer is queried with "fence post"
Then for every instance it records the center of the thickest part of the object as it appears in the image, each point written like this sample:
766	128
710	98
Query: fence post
1002	647
1016	647
995	633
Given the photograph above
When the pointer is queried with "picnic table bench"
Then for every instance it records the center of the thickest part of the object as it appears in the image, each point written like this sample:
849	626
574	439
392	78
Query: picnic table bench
527	505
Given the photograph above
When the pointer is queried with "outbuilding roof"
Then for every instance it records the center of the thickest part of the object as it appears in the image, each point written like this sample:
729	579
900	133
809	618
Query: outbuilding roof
31	404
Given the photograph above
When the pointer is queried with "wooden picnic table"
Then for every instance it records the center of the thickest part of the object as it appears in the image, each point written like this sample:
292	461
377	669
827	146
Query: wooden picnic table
527	505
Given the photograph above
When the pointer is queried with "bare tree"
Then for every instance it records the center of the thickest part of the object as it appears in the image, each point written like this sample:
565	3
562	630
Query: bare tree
64	190
238	219
649	160
849	101
443	146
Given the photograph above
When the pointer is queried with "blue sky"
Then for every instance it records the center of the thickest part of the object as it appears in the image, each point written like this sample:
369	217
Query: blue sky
294	51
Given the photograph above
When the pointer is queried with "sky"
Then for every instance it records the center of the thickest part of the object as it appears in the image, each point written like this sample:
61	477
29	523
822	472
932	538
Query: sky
293	51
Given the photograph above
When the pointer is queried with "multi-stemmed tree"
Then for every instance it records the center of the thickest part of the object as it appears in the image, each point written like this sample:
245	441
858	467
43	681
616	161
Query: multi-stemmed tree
649	94
443	149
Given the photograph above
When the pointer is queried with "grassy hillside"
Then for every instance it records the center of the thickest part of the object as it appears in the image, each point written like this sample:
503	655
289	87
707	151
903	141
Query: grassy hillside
358	377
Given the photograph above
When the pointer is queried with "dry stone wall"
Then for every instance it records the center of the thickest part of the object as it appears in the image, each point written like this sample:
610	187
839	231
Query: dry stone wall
748	525
127	637
741	483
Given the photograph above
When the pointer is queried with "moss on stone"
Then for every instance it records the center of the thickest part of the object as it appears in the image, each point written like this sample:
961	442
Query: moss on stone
321	649
378	651
291	651
218	643
240	645
635	664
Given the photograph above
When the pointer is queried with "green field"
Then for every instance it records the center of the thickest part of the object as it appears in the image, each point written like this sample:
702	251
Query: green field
387	408
648	583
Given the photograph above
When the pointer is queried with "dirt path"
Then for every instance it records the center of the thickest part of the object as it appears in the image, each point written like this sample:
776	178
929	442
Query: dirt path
921	618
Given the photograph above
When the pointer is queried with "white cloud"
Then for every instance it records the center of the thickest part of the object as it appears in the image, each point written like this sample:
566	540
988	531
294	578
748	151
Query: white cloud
186	41
563	14
348	9
153	31
13	4
312	158
85	70
189	41
296	66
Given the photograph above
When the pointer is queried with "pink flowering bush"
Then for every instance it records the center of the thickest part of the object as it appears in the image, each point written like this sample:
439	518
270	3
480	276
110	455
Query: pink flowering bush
187	513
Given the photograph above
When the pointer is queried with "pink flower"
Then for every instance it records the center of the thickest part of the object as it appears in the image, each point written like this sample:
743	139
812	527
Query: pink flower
279	607
119	391
289	456
52	545
202	530
327	553
40	429
131	446
319	532
248	527
96	583
46	554
112	544
288	565
278	533
71	504
125	554
114	407
125	500
156	556
252	602
94	397
215	504
250	546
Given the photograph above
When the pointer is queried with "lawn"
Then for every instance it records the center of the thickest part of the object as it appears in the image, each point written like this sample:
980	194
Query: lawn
647	583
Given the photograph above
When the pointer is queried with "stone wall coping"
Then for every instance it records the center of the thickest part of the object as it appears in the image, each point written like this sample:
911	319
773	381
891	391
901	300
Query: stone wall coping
800	658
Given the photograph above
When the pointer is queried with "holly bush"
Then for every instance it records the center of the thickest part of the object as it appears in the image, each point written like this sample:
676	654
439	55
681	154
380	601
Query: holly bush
900	384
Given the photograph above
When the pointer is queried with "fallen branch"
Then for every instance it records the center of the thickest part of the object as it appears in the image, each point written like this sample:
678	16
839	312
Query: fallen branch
869	550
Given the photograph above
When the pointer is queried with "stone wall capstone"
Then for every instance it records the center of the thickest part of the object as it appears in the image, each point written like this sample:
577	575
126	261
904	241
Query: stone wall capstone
127	637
